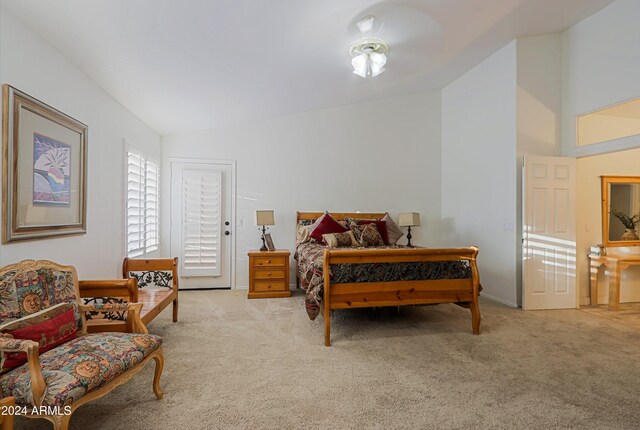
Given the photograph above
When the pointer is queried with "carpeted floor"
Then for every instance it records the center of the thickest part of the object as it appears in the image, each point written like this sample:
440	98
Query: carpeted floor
233	363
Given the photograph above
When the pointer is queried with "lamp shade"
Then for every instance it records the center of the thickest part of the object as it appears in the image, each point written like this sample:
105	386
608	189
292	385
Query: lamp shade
409	219
265	218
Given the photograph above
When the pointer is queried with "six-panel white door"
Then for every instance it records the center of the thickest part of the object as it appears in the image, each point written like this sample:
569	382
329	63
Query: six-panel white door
549	233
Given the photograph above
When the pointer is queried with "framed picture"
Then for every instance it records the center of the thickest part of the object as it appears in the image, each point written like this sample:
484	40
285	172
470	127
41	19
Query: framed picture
269	242
44	165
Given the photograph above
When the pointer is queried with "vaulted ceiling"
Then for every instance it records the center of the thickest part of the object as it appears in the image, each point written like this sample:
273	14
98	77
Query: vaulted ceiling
183	65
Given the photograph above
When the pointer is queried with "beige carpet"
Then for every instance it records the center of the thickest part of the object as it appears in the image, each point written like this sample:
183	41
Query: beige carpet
233	363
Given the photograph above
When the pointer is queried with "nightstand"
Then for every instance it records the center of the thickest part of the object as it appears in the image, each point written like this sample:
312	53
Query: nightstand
269	274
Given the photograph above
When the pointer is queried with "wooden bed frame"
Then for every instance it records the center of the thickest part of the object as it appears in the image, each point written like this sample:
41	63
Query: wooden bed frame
463	292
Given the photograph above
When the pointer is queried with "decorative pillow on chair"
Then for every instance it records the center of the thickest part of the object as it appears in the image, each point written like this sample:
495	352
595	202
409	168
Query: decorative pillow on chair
325	226
29	291
393	231
339	240
50	327
367	234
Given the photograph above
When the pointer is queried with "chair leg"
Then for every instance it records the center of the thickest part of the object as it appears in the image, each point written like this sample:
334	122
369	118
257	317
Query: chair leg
159	359
475	316
61	422
7	421
175	310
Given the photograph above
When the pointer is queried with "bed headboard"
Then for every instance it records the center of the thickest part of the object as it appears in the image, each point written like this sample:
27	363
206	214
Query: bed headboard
337	215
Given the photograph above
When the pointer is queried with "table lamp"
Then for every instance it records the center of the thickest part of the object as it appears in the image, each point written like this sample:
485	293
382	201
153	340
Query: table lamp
264	218
409	219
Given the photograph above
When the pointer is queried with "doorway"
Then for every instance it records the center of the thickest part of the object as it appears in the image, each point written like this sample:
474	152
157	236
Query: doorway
202	203
549	233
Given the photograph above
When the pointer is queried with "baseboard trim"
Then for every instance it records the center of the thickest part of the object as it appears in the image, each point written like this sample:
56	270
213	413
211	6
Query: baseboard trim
496	299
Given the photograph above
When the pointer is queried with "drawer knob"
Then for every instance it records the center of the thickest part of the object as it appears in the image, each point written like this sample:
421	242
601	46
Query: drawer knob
269	273
269	286
268	261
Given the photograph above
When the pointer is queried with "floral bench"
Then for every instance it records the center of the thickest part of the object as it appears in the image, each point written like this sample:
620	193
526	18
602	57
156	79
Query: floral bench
48	361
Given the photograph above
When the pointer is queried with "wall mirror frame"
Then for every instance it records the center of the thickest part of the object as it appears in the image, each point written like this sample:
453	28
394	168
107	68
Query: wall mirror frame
623	194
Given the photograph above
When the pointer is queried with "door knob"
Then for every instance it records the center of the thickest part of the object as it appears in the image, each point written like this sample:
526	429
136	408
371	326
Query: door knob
227	232
226	223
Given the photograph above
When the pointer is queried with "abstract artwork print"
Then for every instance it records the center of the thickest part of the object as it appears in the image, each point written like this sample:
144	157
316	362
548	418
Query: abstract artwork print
51	172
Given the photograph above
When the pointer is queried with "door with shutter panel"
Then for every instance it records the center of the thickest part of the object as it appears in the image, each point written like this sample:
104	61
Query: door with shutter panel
200	207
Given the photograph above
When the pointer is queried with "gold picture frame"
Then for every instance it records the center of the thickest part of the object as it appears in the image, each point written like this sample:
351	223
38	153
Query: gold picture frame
44	159
621	193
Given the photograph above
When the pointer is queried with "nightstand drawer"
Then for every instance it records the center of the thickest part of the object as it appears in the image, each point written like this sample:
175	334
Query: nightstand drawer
276	285
268	274
268	261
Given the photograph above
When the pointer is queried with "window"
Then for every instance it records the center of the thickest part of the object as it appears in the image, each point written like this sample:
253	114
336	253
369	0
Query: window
143	204
613	122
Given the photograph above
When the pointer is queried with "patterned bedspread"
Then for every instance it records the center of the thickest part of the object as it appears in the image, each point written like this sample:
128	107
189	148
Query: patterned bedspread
310	267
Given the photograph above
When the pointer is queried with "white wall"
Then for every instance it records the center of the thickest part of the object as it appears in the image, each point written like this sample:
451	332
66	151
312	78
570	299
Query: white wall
538	111
539	95
589	220
479	169
28	63
601	67
369	157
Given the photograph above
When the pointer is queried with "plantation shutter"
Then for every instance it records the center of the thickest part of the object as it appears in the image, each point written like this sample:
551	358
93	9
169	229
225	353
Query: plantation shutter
143	204
135	204
152	207
201	222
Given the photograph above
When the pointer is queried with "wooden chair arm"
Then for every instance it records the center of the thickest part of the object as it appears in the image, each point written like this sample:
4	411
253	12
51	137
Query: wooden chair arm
38	384
134	322
110	288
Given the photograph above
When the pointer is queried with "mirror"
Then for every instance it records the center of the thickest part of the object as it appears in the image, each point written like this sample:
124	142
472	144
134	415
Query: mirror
620	210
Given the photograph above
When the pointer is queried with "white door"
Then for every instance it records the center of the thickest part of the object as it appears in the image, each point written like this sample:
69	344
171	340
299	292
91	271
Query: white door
549	233
201	210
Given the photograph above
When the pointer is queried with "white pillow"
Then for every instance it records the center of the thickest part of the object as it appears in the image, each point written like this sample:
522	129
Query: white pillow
304	234
394	233
338	240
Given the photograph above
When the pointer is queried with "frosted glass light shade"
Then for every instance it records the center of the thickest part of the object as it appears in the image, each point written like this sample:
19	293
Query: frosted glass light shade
409	219
265	218
377	63
359	63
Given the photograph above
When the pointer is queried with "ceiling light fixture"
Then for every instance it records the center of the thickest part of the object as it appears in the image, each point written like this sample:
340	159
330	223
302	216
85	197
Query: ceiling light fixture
369	54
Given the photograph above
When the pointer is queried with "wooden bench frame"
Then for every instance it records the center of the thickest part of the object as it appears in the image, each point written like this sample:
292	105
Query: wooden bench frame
153	301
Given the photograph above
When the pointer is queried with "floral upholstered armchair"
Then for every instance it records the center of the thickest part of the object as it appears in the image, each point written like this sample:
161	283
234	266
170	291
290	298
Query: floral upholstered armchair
48	361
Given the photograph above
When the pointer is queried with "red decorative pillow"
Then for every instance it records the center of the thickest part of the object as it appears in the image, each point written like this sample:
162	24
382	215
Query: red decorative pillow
326	226
382	228
49	333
